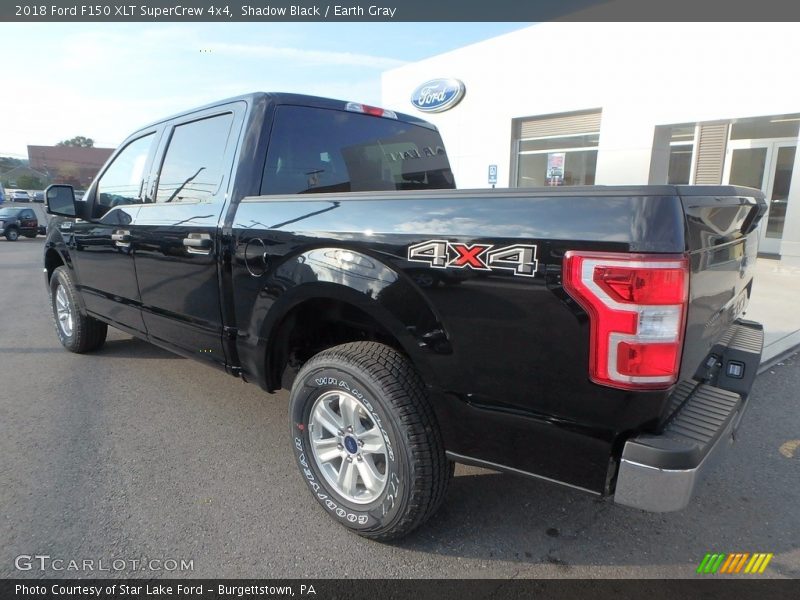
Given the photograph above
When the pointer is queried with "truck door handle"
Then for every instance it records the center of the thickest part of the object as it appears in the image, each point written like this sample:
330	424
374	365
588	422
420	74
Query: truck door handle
198	243
121	238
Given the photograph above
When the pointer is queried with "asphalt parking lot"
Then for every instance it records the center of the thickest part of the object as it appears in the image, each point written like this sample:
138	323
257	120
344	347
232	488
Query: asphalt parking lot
134	454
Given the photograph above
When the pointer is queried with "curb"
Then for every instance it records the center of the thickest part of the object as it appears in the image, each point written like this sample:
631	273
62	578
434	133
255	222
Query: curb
771	362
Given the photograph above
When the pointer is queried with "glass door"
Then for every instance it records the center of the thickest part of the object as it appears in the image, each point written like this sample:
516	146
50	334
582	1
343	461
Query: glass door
766	165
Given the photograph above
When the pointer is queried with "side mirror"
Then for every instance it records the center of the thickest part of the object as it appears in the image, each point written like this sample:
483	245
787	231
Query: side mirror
60	200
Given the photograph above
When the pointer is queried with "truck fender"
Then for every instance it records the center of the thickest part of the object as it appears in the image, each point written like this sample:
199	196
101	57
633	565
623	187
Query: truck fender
383	293
56	254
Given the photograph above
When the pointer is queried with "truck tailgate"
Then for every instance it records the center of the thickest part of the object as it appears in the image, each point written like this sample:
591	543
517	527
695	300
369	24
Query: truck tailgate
722	241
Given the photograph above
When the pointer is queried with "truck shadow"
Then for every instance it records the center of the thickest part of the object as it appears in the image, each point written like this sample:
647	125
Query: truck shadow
747	503
498	517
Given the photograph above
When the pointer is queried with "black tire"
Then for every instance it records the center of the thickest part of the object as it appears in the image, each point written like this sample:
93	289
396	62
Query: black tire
30	235
85	333
393	398
12	235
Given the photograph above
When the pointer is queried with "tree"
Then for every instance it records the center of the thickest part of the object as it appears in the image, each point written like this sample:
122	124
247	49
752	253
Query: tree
69	174
8	162
78	141
29	182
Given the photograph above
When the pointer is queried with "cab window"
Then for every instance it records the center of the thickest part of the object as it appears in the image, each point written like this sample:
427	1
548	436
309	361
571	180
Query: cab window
122	182
192	170
314	150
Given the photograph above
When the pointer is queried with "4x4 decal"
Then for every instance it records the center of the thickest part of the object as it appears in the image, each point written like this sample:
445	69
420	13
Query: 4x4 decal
441	254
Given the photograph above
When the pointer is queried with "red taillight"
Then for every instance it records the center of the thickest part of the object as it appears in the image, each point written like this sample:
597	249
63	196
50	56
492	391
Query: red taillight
637	309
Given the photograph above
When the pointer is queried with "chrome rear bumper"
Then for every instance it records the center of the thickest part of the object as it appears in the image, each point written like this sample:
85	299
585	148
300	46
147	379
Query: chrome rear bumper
660	472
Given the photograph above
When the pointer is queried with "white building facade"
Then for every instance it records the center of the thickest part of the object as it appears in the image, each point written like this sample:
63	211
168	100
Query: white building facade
626	104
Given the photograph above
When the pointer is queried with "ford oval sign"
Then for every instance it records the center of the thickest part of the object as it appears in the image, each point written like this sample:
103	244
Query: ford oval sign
438	95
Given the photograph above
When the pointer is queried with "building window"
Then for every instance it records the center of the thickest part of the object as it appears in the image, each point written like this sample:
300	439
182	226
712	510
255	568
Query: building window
675	156
762	156
758	128
557	150
681	151
560	162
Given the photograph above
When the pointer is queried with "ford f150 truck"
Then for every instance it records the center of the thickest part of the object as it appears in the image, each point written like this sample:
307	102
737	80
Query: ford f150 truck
594	337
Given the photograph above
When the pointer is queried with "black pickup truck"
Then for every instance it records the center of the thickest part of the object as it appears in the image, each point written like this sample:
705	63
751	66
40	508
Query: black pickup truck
590	336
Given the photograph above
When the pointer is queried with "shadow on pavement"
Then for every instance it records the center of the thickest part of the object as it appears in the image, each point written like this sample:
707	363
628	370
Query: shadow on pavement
748	503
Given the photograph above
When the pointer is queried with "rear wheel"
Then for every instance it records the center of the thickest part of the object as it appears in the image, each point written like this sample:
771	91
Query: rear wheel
366	440
76	331
12	235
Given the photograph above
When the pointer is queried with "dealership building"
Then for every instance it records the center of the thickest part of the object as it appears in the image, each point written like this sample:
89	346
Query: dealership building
623	104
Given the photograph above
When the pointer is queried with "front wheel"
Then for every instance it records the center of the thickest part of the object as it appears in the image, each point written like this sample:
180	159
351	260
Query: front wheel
12	235
366	440
76	331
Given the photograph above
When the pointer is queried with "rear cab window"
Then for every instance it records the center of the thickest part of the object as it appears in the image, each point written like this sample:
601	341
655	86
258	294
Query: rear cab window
317	150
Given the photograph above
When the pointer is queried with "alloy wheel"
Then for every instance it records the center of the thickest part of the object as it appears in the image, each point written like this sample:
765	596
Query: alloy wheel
348	447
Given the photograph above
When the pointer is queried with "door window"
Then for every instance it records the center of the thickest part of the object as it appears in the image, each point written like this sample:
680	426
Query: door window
122	181
192	170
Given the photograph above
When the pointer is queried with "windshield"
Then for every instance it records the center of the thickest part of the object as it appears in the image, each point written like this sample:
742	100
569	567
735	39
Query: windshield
9	212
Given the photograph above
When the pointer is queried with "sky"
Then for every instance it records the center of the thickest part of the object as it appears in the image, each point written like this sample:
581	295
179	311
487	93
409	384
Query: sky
103	81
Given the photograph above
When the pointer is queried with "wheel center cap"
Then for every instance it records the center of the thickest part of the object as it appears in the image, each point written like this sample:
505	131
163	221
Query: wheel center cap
350	444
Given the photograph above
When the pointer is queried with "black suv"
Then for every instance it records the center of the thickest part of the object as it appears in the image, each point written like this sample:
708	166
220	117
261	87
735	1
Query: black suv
18	221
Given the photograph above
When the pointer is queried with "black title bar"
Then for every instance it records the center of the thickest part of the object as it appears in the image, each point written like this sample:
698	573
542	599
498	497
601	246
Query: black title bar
399	10
709	588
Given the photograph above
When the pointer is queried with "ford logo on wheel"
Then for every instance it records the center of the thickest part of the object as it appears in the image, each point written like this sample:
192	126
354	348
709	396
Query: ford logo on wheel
438	95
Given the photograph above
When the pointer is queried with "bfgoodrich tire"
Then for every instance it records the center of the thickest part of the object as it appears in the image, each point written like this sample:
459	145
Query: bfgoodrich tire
76	331
366	440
